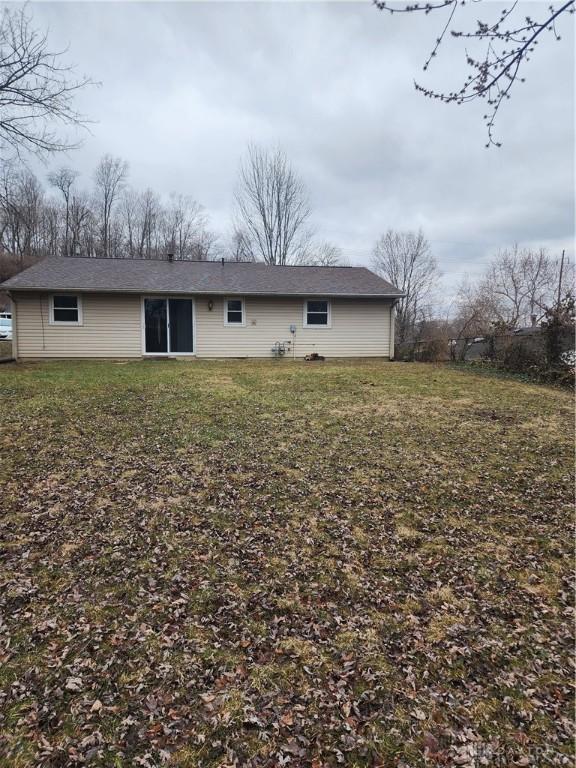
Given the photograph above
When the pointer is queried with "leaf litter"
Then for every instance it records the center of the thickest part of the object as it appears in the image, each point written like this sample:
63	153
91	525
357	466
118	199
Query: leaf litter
249	564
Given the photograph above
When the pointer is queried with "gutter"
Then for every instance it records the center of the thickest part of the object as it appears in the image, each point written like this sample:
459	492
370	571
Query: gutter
148	292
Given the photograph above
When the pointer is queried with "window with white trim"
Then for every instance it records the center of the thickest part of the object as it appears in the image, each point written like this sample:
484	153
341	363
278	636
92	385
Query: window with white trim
317	313
233	311
65	309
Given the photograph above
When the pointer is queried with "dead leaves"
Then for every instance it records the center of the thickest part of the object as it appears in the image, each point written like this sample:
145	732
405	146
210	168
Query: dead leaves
73	684
207	580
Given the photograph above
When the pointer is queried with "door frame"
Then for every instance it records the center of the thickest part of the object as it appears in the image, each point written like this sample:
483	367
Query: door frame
166	296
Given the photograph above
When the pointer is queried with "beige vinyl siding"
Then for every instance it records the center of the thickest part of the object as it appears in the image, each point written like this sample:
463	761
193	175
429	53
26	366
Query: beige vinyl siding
359	328
111	327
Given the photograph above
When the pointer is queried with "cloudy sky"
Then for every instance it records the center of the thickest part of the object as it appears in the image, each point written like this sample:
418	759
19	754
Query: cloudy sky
185	86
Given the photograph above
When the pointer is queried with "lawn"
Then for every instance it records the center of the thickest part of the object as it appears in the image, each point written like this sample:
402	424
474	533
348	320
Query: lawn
284	564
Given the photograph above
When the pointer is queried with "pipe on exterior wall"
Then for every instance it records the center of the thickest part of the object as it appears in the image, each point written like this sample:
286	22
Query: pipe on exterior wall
13	308
42	322
293	334
392	330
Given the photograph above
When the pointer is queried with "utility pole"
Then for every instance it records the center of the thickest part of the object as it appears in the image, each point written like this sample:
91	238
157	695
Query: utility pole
560	281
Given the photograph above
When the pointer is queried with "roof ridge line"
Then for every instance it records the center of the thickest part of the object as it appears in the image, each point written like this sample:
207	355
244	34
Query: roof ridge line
198	261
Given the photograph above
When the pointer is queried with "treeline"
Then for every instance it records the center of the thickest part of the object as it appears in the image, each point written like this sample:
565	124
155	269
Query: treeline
518	315
108	219
111	219
518	287
270	223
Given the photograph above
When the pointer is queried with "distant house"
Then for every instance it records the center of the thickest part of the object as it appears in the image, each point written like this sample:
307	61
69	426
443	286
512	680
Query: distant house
131	308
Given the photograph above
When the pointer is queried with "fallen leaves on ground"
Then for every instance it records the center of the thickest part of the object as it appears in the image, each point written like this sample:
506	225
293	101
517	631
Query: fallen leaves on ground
260	564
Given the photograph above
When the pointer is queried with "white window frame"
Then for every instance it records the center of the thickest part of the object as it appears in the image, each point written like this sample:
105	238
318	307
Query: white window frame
78	298
234	325
328	319
166	297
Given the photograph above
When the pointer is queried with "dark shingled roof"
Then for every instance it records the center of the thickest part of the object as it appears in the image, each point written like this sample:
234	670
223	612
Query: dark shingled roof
148	276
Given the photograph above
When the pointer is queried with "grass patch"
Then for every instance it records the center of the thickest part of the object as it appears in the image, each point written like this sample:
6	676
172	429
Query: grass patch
216	563
5	348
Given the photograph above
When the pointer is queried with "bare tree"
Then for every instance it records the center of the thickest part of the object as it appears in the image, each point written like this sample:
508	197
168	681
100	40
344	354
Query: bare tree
505	284
22	213
541	276
508	41
475	310
205	246
110	177
182	220
184	229
36	89
31	212
141	214
272	207
111	220
405	260
239	247
9	206
50	230
327	254
516	289
148	224
521	283
62	180
129	212
83	228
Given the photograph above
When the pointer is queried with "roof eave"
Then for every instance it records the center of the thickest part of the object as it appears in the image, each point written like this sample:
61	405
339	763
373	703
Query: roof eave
148	292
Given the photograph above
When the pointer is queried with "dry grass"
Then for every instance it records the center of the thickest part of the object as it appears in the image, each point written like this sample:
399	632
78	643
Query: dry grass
259	564
5	349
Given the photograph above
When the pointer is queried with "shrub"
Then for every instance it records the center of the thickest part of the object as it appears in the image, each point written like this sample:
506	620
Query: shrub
518	357
559	329
434	351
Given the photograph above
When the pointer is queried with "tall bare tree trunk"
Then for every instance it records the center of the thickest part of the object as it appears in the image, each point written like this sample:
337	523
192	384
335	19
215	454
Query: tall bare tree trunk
110	178
272	208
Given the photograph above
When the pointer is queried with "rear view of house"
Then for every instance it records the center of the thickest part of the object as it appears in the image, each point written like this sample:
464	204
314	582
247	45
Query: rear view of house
131	308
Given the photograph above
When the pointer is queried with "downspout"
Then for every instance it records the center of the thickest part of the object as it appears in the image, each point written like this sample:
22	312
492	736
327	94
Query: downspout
392	327
13	308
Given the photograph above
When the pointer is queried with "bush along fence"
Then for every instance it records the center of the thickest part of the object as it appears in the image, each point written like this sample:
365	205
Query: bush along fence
546	353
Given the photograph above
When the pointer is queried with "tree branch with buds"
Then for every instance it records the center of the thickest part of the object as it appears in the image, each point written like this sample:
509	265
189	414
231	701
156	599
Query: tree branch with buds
510	42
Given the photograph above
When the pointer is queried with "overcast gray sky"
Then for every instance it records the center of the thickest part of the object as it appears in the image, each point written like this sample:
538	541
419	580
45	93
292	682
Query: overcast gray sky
185	86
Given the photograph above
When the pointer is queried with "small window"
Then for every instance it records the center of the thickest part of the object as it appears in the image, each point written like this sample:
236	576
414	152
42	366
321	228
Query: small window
66	309
317	313
234	312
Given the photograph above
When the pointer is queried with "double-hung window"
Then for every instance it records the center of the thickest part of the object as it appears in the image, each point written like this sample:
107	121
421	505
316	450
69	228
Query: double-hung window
65	309
317	313
233	311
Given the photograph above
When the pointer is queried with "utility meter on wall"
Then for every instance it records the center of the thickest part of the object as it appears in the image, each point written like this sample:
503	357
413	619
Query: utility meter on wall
292	328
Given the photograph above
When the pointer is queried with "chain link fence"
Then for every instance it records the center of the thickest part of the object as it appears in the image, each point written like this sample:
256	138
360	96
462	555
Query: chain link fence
546	353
